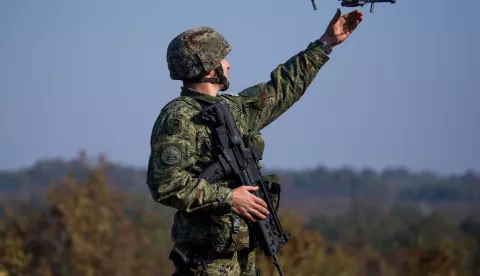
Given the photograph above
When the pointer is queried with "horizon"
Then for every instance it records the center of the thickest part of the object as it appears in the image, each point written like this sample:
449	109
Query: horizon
93	161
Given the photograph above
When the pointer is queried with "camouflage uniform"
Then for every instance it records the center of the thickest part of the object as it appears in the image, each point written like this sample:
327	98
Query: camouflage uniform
181	147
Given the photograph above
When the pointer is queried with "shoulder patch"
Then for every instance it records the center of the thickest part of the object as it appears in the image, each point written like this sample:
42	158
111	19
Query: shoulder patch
171	155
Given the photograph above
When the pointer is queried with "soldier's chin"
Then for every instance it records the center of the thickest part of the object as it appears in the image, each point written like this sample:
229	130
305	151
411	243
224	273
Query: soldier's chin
224	87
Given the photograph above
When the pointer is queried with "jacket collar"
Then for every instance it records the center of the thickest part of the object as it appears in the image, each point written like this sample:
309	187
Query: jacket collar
188	92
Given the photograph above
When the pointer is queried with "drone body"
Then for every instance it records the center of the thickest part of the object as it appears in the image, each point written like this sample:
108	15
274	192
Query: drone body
356	3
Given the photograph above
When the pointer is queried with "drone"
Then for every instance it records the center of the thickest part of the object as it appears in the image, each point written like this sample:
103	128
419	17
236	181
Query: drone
356	3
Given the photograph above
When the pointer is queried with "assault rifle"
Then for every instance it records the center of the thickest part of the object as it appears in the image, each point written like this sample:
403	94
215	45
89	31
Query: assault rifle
356	3
240	161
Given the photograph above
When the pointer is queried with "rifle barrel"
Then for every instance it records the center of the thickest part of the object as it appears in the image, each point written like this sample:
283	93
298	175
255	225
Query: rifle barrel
277	264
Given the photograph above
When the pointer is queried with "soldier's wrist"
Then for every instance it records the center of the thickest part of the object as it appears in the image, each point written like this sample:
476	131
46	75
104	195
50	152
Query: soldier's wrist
225	200
325	44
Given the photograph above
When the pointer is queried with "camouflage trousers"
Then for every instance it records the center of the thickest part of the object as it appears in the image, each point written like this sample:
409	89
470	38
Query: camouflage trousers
237	263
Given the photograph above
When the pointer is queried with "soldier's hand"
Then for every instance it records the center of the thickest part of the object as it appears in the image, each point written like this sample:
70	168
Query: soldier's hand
341	27
247	205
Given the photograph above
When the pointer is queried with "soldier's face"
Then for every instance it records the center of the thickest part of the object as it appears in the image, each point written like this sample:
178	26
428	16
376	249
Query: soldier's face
226	67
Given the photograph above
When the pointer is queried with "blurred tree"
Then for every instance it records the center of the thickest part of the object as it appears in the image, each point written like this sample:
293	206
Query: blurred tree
443	259
13	258
104	241
305	253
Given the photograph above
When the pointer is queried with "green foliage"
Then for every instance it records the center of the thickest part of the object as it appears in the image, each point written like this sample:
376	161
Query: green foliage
93	220
400	227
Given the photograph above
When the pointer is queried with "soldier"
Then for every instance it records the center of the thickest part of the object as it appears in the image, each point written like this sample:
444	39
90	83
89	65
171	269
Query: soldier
211	222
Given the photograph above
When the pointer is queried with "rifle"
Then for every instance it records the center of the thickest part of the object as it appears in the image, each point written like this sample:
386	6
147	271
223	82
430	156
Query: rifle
356	3
236	159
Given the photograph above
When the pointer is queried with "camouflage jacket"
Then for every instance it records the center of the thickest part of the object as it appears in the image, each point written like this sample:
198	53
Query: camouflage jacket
181	147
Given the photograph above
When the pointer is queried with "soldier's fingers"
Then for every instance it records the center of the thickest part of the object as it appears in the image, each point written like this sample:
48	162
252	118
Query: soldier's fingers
249	217
251	188
257	214
260	202
335	17
262	209
353	18
350	27
235	210
352	15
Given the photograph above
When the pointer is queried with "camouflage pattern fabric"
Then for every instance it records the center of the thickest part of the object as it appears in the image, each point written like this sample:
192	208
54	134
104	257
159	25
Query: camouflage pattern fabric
181	147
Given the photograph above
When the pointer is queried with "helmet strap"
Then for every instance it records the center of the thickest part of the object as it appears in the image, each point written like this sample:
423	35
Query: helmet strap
219	78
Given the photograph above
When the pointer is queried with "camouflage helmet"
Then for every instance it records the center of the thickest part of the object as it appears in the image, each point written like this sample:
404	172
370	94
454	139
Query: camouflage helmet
195	52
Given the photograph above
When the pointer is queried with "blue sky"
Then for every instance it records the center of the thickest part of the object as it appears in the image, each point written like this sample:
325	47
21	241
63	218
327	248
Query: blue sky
401	91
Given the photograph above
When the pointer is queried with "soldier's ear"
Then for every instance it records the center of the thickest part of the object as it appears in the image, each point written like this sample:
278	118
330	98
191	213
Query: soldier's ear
210	74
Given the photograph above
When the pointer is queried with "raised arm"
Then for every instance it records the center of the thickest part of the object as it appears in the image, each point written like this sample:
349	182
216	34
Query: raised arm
265	102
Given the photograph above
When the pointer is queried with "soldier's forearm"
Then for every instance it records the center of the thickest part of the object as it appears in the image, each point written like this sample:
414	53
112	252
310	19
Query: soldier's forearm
290	80
188	194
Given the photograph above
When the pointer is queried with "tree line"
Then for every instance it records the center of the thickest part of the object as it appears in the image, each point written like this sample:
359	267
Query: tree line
84	224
